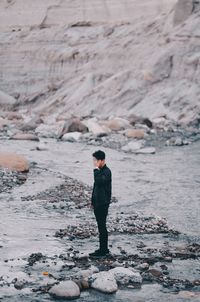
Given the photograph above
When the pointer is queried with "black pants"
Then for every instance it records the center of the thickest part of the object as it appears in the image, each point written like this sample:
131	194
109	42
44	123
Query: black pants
101	215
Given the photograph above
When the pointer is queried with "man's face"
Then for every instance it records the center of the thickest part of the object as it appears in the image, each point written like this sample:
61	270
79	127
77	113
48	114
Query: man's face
98	163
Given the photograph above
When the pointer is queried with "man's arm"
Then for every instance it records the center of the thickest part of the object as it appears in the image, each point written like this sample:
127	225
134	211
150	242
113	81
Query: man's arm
101	177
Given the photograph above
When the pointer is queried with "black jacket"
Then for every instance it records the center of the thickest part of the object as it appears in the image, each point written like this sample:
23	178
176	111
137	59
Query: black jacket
102	189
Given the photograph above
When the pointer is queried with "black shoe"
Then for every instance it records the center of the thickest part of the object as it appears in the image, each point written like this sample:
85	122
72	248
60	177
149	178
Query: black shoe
99	253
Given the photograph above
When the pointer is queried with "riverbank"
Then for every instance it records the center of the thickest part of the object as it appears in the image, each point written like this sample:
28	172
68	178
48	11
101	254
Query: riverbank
53	234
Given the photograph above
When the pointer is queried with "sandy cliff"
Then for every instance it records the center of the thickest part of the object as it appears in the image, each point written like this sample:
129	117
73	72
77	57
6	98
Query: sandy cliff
102	57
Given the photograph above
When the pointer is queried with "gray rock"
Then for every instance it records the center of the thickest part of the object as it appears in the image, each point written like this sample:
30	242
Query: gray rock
65	290
125	276
104	282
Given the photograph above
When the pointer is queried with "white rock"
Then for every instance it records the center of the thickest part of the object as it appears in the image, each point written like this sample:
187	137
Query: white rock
104	282
125	276
65	289
72	136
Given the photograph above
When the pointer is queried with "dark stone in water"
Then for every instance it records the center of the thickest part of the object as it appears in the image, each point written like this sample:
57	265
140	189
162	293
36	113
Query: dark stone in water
34	258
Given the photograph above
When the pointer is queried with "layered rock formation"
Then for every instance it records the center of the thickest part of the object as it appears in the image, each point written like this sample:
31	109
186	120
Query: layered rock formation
63	58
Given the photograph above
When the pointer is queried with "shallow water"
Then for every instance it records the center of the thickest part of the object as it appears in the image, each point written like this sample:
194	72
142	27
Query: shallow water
165	184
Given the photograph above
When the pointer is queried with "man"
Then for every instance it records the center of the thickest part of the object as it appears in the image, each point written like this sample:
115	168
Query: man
101	197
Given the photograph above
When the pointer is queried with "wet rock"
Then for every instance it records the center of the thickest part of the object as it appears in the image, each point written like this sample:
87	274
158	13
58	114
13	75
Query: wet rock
126	276
104	282
72	137
14	162
82	277
155	273
33	258
19	284
65	290
135	133
25	136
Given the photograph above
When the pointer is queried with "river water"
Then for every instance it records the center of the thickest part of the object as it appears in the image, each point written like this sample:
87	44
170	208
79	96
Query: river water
166	184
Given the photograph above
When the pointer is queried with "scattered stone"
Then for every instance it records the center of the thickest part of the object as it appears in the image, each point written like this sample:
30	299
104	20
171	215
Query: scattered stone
10	179
14	162
65	290
104	282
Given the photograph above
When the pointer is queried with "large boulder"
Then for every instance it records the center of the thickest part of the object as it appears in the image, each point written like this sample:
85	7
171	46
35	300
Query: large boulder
65	290
14	162
125	276
104	282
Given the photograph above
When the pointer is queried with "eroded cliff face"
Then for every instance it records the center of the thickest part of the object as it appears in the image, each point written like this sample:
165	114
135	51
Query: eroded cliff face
102	57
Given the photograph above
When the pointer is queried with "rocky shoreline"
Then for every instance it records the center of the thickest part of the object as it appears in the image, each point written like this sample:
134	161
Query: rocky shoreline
67	274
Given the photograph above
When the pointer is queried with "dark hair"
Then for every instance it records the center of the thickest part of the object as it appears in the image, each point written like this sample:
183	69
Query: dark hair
99	155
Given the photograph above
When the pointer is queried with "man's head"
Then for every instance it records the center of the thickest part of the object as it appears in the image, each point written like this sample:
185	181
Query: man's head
99	158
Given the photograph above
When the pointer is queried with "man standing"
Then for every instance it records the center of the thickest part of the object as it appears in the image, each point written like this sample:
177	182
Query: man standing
101	197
